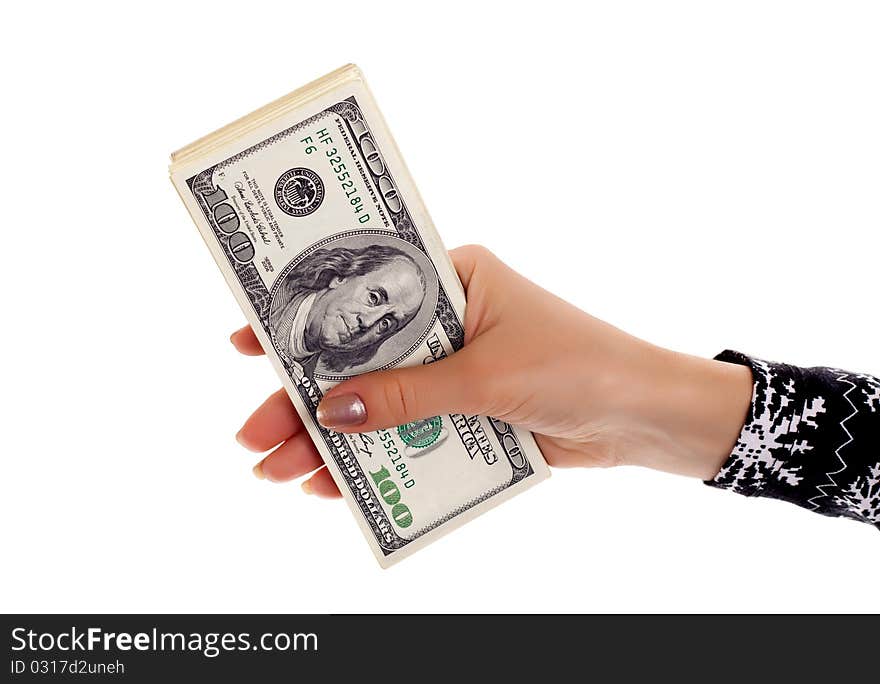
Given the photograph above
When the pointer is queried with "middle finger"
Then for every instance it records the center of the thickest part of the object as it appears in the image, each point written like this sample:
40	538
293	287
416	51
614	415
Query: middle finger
297	456
275	421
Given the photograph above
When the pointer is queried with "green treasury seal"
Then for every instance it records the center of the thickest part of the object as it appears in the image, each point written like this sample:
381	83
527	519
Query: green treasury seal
421	433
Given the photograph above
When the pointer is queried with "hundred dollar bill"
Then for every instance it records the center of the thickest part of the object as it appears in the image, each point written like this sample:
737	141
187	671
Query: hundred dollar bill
320	232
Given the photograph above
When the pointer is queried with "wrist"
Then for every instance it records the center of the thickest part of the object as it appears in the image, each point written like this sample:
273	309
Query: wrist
689	412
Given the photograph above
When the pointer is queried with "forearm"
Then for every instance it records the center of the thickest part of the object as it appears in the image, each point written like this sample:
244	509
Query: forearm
809	436
812	438
688	412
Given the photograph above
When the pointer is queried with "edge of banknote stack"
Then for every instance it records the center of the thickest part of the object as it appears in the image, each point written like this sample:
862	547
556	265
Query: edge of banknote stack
263	115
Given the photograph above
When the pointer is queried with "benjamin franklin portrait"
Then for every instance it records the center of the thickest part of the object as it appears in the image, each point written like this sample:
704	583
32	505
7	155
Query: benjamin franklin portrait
337	307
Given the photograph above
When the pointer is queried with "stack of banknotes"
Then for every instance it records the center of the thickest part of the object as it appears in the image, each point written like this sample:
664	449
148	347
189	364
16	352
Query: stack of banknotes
294	199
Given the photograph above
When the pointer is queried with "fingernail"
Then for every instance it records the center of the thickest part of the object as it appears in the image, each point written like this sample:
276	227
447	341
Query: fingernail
307	486
240	439
343	410
258	471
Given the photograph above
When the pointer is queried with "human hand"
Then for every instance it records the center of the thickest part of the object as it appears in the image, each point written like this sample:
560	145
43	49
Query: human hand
592	394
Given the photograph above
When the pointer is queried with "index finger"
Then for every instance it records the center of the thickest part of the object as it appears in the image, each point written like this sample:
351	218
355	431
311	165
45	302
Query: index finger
246	342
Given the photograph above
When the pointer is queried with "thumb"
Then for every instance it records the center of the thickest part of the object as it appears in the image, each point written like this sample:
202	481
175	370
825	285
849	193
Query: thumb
387	398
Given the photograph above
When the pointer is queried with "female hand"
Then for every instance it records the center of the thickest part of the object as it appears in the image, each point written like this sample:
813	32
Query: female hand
592	394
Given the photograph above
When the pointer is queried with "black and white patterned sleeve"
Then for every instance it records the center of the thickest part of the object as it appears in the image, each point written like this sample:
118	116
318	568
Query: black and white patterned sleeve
811	437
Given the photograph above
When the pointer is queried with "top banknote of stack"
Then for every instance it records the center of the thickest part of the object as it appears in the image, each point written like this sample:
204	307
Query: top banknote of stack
309	198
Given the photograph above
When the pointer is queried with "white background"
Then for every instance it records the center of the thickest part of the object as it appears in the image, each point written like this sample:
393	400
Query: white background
703	175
